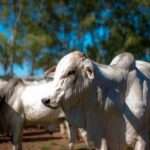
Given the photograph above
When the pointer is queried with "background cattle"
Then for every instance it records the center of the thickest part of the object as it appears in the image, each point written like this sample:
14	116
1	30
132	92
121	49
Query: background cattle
21	105
110	102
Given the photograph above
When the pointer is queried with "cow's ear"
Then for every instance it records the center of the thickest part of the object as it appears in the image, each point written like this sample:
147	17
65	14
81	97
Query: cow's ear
89	72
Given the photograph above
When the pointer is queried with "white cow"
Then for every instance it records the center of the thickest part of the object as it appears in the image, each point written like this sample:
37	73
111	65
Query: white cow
111	103
21	105
72	131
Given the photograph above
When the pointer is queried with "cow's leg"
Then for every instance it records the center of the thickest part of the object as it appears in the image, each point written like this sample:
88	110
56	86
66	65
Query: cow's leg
65	129
73	137
17	134
104	144
83	135
142	143
71	133
74	131
17	141
115	138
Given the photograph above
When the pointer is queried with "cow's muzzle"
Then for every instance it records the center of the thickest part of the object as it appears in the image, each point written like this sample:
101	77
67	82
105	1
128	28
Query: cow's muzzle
47	102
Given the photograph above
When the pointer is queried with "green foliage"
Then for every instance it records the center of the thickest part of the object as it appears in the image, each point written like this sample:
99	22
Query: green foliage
125	36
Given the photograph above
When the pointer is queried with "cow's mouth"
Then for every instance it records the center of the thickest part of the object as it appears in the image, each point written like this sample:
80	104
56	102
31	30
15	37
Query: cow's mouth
47	102
53	105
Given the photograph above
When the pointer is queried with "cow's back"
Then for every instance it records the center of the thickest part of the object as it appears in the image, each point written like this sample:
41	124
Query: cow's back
144	67
2	84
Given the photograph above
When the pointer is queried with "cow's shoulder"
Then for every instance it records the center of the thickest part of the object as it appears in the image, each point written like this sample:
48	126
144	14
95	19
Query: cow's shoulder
7	91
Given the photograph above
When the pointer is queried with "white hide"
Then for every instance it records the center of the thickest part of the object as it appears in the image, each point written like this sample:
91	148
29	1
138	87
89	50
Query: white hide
34	109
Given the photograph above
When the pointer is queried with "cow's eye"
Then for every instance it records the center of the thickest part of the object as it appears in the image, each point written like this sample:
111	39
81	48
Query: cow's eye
72	72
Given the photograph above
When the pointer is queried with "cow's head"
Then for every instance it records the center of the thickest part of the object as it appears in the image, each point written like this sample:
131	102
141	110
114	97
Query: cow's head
73	76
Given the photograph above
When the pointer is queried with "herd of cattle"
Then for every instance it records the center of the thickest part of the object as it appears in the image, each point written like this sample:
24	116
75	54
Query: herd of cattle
108	104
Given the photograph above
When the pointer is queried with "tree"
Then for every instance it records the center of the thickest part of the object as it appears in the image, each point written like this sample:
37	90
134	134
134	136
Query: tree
43	31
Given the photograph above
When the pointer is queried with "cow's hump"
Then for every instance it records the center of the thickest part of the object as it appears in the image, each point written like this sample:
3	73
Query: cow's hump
124	60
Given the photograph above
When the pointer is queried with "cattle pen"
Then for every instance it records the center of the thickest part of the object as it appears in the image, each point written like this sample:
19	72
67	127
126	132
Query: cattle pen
35	138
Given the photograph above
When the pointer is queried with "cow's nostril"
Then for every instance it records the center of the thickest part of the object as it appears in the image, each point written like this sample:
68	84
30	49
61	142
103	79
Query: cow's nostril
46	101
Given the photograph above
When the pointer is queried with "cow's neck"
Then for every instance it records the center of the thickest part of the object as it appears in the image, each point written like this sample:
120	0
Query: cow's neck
76	112
76	116
111	86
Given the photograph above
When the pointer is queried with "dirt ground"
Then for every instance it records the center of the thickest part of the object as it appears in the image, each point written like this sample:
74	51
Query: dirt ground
40	139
